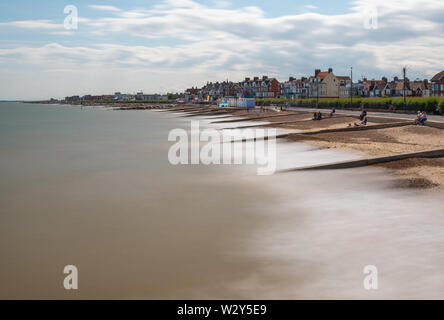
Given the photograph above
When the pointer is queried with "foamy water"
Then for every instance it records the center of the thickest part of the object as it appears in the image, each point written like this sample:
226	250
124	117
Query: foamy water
94	188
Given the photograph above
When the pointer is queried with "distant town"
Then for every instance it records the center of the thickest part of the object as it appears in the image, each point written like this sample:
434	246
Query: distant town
322	84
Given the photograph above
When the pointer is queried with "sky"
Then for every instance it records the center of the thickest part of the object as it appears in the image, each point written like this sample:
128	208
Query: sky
159	46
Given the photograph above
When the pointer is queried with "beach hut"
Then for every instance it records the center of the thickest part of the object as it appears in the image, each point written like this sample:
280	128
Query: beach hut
242	103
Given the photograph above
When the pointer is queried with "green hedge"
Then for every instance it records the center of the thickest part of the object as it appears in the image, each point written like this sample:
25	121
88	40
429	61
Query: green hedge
441	106
413	104
131	101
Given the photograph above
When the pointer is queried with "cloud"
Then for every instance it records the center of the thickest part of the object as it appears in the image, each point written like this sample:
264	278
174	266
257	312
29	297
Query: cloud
62	33
221	4
208	42
33	24
104	8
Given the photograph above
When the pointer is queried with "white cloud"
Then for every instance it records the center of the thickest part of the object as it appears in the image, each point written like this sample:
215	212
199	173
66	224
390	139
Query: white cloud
207	42
62	33
104	8
221	4
33	24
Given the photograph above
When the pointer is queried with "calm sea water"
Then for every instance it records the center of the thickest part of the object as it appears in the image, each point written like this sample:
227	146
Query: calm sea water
94	188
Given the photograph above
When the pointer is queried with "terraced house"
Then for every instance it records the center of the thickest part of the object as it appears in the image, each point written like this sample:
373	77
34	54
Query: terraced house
373	88
327	85
344	86
295	89
420	88
265	88
322	85
437	84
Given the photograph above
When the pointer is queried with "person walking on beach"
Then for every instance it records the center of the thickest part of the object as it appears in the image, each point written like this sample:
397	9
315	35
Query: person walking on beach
363	114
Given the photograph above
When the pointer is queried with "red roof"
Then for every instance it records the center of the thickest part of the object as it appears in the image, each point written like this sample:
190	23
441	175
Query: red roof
343	78
418	85
438	77
366	86
400	86
322	75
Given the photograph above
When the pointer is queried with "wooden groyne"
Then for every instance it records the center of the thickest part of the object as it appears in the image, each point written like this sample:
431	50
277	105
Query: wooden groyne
189	109
211	112
351	129
434	124
363	128
271	124
279	136
256	118
435	153
217	118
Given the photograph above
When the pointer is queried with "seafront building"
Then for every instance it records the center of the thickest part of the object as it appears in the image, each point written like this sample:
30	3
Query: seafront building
320	85
140	96
437	84
259	88
295	88
327	85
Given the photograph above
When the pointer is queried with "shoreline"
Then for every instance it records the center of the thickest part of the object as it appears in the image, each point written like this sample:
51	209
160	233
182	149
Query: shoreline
417	173
383	140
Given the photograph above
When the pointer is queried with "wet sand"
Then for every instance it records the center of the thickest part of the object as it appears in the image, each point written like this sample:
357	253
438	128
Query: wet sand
415	173
418	173
327	123
382	141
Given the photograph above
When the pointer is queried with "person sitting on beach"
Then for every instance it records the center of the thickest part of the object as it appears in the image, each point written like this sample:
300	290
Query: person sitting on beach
317	116
418	116
423	118
363	123
332	112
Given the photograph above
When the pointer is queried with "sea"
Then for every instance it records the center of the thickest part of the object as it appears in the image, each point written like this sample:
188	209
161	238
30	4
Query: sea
93	188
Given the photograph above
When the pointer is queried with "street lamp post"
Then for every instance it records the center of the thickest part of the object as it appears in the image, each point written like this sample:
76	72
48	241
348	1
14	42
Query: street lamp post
404	89
317	93
351	89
